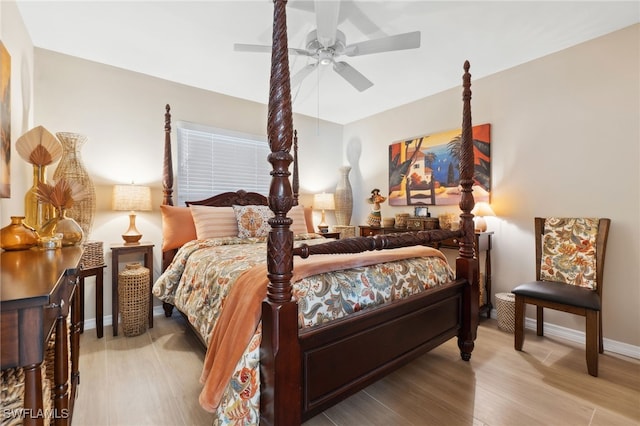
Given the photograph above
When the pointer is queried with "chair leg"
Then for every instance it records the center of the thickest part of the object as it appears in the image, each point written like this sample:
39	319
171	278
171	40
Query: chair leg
600	338
539	320
518	331
592	342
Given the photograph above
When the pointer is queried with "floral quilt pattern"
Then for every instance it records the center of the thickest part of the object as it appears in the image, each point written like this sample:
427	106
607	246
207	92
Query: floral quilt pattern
198	289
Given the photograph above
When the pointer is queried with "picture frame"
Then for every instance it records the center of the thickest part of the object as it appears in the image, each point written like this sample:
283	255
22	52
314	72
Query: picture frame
5	122
424	170
422	211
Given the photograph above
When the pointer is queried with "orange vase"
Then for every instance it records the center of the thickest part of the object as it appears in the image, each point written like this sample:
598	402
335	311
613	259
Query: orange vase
17	235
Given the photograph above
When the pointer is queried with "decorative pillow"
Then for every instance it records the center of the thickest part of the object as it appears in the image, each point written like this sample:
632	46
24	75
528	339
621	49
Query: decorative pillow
308	217
569	251
252	221
214	222
299	225
177	227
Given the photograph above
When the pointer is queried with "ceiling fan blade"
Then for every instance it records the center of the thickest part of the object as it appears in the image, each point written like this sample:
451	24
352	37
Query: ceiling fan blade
259	48
353	76
327	21
302	74
386	44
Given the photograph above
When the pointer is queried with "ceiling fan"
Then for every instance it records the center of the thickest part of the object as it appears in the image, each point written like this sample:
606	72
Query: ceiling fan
326	43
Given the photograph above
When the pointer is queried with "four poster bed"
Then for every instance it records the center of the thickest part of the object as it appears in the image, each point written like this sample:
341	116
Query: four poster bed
298	340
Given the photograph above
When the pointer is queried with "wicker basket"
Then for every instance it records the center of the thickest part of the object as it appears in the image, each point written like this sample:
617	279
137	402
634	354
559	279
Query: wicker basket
133	292
12	390
93	255
345	231
506	306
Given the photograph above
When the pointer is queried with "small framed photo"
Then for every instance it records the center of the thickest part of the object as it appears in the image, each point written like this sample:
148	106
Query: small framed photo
421	212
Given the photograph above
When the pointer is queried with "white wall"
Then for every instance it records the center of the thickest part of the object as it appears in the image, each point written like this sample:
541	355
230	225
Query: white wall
18	43
565	141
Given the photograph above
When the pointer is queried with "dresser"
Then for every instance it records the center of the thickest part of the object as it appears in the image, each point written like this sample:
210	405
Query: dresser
37	295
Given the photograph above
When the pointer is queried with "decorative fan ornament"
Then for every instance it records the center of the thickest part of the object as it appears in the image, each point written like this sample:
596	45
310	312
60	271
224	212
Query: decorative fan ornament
39	147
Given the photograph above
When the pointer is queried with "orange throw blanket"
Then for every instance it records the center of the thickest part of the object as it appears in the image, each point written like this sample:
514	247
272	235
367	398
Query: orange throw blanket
242	311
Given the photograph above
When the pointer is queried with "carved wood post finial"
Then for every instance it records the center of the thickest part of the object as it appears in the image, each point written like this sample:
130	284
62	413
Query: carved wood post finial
280	132
467	168
296	180
167	167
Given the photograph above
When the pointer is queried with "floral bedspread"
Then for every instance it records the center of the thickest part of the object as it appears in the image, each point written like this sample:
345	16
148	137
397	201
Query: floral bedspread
203	271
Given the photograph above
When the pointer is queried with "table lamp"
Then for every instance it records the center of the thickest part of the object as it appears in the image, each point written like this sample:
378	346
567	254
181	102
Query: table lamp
132	198
324	202
480	210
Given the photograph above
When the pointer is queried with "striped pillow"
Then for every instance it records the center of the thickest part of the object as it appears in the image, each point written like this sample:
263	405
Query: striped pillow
299	225
214	222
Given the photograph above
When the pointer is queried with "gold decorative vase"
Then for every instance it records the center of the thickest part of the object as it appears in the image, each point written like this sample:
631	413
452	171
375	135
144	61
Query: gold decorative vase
36	212
65	227
17	235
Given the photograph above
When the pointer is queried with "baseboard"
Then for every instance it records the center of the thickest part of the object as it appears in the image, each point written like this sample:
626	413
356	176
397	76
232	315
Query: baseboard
530	323
90	324
579	337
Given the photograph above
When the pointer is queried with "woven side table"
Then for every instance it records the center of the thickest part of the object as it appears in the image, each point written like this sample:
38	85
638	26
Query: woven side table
506	306
133	292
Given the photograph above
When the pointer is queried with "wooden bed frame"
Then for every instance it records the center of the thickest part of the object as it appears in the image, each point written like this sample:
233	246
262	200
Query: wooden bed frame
305	371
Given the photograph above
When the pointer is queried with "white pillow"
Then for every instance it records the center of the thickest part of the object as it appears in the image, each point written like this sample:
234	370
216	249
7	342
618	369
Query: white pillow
214	222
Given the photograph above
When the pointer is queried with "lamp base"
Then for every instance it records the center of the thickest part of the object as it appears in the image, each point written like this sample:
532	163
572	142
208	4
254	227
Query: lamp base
323	229
132	236
131	240
480	224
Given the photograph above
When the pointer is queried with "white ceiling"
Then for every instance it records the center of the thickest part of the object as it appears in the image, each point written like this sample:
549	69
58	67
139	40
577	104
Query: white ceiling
191	42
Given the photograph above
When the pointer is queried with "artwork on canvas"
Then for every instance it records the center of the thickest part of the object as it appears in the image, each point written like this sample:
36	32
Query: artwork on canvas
424	170
5	120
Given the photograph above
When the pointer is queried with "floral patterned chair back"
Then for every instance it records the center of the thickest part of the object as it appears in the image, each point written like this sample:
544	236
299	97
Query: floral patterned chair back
569	251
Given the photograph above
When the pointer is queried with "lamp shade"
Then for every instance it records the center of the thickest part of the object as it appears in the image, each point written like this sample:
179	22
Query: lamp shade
131	197
480	210
324	201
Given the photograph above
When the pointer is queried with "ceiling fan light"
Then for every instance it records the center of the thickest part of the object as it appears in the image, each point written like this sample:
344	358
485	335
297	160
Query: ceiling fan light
325	61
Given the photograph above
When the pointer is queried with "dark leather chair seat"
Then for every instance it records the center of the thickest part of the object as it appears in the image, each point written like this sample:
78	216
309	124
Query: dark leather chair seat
560	293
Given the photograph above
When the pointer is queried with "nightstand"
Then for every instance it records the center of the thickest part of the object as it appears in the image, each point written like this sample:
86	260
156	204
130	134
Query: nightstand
369	231
118	250
335	235
483	245
98	272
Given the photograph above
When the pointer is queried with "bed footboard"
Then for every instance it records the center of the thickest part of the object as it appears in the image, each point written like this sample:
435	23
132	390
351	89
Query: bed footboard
345	356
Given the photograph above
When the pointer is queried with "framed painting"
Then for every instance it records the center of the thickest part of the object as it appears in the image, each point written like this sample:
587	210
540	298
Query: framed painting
424	170
5	122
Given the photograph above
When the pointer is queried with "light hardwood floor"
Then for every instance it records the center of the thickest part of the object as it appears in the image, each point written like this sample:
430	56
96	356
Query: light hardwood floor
152	379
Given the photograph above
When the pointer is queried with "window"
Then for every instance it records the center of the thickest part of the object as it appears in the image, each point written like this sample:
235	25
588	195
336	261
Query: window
211	161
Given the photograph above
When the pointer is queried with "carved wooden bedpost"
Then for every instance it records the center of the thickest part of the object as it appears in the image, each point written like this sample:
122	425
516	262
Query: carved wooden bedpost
467	263
280	350
167	167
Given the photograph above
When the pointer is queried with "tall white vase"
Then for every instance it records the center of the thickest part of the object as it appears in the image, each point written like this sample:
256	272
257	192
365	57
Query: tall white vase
344	198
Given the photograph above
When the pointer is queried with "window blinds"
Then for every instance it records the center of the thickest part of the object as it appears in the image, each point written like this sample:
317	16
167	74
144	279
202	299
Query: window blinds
211	161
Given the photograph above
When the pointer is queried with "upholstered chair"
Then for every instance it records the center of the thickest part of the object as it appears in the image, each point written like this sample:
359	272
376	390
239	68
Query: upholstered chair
570	256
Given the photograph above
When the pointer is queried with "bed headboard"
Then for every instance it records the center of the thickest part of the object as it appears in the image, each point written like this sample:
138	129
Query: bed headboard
228	199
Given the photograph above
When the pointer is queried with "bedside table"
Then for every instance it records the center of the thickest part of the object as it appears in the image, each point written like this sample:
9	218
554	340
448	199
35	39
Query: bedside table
335	235
483	245
117	250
